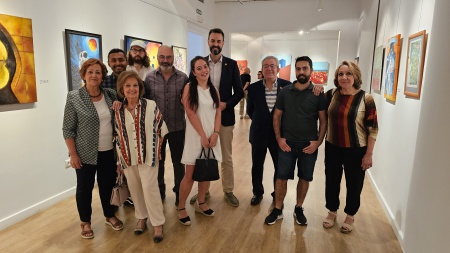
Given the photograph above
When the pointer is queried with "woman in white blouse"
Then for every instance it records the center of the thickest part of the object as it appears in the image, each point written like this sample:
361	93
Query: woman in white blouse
140	130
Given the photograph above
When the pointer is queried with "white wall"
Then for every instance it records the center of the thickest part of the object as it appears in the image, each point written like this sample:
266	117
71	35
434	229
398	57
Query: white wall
289	16
397	144
32	149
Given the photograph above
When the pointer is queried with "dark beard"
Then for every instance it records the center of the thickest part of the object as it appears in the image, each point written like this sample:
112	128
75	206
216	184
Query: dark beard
138	60
303	79
215	50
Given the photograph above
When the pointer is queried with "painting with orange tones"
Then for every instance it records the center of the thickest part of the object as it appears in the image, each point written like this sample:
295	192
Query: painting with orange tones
320	73
17	74
242	64
151	49
80	46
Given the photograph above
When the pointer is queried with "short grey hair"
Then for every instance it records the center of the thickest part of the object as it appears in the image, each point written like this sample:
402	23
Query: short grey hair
270	57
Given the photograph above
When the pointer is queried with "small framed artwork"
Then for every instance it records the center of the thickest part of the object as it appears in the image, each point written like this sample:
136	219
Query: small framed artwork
80	46
180	58
417	44
320	73
377	69
151	48
392	65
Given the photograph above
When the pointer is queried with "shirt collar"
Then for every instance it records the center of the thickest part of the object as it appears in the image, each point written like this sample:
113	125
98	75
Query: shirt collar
310	86
211	61
275	84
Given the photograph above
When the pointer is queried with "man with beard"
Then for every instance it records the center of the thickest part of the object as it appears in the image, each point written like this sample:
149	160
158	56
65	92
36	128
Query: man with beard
295	124
260	103
118	63
164	85
224	74
138	59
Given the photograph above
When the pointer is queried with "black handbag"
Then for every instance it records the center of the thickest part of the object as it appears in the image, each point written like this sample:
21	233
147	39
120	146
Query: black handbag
206	168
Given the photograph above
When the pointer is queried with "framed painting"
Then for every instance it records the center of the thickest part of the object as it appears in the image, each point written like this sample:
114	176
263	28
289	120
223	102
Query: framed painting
242	64
320	73
417	44
392	64
180	58
17	71
80	46
377	69
151	48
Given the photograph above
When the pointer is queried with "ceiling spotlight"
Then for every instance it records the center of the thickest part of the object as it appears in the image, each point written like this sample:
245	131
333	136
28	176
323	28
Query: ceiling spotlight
301	32
319	7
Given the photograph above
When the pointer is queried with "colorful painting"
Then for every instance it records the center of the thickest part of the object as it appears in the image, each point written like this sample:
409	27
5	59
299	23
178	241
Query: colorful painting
17	74
320	73
180	58
285	62
377	68
415	62
392	64
242	64
80	46
151	49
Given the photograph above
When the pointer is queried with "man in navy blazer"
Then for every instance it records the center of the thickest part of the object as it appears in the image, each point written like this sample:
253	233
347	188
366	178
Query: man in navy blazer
260	103
225	76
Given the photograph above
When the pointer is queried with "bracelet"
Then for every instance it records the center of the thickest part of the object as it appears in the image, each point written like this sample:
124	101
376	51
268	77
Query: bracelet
216	132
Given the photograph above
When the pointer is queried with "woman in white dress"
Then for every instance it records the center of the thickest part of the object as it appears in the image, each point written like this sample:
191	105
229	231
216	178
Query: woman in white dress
201	103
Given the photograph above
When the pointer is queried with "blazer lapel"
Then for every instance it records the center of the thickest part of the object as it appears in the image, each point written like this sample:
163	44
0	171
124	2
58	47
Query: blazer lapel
84	95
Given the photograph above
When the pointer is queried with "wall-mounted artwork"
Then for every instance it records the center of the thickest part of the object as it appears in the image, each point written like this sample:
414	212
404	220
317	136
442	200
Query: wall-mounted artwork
320	73
152	48
377	69
242	64
180	58
285	62
417	44
80	46
17	74
392	64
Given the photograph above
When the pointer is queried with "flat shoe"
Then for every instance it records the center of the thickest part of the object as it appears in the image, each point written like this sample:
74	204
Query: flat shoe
347	228
85	233
327	223
186	220
118	225
208	212
138	231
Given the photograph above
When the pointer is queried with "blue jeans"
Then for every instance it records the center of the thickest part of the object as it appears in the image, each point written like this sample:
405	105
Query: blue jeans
305	162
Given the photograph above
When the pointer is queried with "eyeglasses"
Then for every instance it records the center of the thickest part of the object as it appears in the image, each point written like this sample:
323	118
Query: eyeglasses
135	50
162	57
272	66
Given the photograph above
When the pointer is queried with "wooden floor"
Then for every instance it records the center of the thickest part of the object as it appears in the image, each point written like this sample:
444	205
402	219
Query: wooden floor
233	229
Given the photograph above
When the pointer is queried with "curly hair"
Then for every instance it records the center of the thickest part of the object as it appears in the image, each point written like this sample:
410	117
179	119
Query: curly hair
90	62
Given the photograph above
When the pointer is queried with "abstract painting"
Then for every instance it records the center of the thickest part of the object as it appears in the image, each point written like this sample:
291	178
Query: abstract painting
285	62
17	72
377	69
417	44
242	64
151	49
80	46
320	73
392	64
180	58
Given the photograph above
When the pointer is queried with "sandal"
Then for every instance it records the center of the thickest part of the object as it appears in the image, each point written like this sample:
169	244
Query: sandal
208	212
186	220
138	231
117	225
329	223
346	227
88	233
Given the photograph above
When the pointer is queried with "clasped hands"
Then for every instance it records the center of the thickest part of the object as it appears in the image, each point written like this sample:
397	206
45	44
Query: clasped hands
211	141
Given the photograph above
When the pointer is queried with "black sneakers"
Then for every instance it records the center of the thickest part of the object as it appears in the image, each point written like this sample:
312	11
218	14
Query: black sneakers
299	216
275	215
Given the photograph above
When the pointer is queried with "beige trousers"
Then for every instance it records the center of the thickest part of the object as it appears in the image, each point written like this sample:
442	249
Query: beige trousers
226	140
143	185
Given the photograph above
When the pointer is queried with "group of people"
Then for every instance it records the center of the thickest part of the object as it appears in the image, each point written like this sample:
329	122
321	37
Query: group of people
121	123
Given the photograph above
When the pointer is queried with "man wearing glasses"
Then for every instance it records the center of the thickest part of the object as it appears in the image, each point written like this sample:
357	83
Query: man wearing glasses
260	104
164	85
138	59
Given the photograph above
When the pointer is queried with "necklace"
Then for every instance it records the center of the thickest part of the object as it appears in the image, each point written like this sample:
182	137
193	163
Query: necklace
96	96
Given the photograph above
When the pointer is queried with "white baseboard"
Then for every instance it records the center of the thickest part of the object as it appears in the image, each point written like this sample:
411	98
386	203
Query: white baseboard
27	212
398	232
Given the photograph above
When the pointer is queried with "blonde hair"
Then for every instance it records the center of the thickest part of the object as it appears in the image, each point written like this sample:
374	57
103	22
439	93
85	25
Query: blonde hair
354	69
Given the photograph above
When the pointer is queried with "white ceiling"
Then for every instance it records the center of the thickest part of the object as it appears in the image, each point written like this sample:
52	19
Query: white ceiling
309	35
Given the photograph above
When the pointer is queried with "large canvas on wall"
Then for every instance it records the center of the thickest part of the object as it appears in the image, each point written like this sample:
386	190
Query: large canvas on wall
151	48
17	72
320	73
285	62
377	69
392	64
242	64
180	58
80	46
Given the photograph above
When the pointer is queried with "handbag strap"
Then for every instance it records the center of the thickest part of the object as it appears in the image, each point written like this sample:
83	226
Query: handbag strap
203	152
212	151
